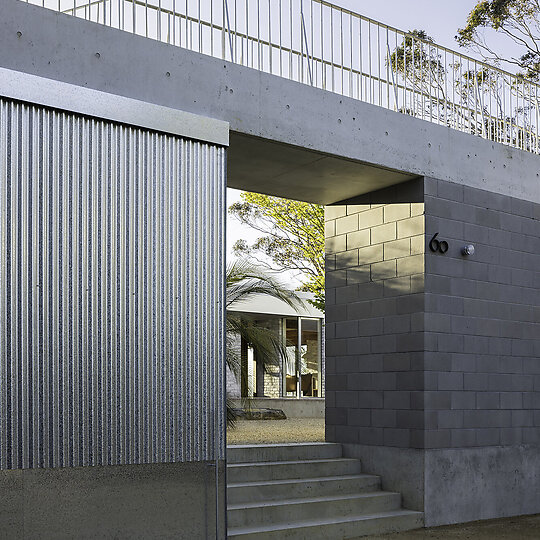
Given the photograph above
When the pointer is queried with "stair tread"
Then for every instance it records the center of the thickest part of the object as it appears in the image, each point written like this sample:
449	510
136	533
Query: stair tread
306	500
295	462
303	480
319	522
281	445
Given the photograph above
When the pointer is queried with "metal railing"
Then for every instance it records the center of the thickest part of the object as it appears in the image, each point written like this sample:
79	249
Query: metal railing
322	45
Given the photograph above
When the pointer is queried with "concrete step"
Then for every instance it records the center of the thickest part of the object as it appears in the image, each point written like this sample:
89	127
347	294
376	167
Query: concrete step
275	490
281	470
282	452
264	513
349	527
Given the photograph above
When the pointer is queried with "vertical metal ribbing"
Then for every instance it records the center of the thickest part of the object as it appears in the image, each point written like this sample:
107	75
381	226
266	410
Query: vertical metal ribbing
111	293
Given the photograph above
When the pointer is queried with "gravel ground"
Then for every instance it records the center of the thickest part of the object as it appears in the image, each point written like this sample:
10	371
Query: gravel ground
525	527
276	431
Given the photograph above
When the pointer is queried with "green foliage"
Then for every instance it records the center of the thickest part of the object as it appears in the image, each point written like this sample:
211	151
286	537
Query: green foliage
292	237
244	281
517	20
456	95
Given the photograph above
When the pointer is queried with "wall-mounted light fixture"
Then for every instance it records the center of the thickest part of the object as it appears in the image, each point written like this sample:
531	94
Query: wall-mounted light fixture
467	250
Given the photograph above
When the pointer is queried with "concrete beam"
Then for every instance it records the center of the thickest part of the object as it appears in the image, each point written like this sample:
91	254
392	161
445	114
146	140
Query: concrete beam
387	146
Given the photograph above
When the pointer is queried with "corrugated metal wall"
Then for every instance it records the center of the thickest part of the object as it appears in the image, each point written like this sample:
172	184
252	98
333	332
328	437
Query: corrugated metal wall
111	288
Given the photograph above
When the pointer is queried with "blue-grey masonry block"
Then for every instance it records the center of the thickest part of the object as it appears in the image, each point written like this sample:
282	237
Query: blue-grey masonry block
457	342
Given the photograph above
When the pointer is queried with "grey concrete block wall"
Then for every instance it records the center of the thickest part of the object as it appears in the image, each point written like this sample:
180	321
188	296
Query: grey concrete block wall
375	320
482	324
433	359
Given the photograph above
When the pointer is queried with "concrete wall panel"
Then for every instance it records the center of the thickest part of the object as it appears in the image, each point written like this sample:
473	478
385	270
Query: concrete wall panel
176	500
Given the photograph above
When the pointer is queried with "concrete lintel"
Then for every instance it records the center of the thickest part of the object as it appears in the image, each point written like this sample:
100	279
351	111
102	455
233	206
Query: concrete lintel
69	97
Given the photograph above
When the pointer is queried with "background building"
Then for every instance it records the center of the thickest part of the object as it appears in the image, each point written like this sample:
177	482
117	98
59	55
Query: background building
301	375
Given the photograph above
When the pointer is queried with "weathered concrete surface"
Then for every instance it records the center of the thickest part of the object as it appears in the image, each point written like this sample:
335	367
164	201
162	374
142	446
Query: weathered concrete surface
267	107
457	485
176	500
400	469
484	482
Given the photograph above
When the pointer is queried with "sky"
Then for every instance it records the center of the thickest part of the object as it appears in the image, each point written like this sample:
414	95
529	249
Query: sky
439	18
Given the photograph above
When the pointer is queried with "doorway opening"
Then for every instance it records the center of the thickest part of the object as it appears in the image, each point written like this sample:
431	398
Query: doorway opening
278	399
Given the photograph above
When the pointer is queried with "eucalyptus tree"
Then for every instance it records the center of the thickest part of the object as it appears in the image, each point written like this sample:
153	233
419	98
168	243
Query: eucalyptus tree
291	238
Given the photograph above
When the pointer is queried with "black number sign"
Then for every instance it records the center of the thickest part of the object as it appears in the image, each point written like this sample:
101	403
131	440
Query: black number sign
438	245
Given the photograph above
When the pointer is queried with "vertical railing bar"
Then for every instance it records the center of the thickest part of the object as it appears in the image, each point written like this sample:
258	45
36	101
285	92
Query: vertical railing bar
454	105
524	124
310	73
510	113
351	47
369	64
146	16
379	63
280	39
301	58
431	95
423	84
388	71
234	35
341	58
323	67
188	26
393	80
258	35
404	70
174	22
199	26
537	118
490	86
480	103
413	96
360	54
445	89
332	46
247	35
229	28
291	44
211	27
437	86
270	35
311	25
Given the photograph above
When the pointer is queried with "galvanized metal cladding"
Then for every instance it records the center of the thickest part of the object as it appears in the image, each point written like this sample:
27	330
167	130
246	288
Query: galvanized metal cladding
329	47
111	293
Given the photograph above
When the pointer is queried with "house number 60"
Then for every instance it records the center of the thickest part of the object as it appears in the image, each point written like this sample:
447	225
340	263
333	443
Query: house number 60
438	245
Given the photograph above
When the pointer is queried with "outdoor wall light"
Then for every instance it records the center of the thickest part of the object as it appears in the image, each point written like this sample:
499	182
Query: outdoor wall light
467	250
